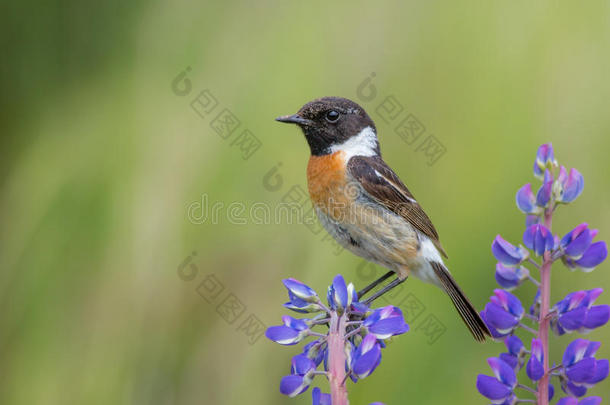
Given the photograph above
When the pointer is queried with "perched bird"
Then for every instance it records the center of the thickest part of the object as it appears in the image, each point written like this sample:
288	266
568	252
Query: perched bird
363	204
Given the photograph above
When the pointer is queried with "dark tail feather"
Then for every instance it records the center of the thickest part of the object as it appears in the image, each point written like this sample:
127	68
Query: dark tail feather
469	314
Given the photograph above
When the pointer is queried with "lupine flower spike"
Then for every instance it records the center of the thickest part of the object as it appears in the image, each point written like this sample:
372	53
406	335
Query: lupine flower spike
350	347
579	370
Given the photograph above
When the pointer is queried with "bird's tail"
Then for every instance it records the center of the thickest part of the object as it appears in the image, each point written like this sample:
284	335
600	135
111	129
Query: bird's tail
469	314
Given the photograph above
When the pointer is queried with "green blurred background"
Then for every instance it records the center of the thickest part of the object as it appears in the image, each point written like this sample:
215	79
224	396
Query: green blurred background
101	159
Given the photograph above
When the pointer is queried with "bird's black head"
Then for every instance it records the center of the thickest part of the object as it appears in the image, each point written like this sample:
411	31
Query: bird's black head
330	122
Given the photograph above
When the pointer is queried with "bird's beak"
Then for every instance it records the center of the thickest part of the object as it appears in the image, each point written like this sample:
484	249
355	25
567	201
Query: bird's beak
294	119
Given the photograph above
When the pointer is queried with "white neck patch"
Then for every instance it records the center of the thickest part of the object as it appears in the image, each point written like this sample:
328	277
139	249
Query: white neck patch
363	144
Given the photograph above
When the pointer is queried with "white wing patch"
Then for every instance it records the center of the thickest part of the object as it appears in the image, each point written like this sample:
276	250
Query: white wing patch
363	144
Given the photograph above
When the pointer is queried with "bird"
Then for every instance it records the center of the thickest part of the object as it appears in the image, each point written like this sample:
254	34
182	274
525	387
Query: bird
363	204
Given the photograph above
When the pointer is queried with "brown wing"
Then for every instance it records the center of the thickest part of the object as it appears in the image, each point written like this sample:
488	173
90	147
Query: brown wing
384	186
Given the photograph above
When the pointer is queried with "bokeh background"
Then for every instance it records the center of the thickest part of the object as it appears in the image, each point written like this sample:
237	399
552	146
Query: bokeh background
101	158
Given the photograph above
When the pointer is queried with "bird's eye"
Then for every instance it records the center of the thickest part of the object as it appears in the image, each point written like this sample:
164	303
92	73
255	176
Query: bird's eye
332	116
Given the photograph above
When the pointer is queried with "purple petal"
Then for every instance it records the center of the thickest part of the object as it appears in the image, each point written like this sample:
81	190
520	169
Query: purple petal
511	360
296	324
537	348
491	388
293	385
575	351
534	369
568	401
298	305
385	328
582	371
593	256
319	398
315	351
514	345
526	201
544	193
544	158
592	348
367	344
494	332
499	318
592	296
572	187
597	316
367	363
283	335
573	389
573	320
538	238
359	308
299	289
589	401
507	253
340	295
508	301
510	277
577	241
601	372
503	371
301	365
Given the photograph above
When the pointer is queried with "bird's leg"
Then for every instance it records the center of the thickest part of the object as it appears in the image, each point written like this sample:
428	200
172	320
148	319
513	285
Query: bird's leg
374	284
397	281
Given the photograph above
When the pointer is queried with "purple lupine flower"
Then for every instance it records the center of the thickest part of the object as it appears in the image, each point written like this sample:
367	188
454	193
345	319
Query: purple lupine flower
576	312
301	297
366	357
526	200
535	368
543	196
544	159
498	389
577	241
506	253
300	290
385	322
516	352
352	345
595	254
510	277
584	401
581	370
339	294
301	375
539	239
503	314
319	398
568	186
292	332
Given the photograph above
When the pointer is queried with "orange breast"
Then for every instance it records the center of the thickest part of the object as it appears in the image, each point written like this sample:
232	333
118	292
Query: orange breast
326	180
